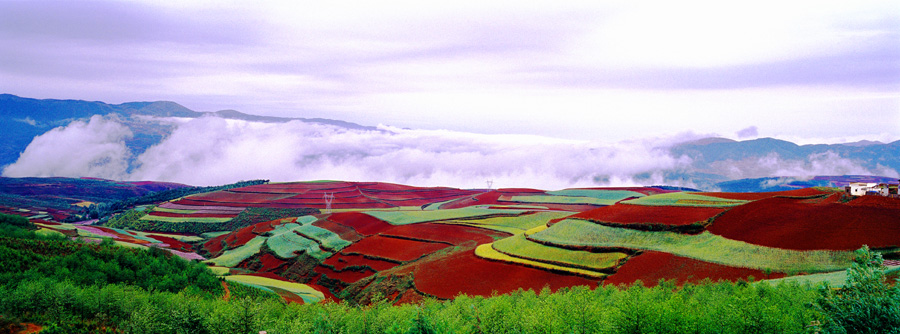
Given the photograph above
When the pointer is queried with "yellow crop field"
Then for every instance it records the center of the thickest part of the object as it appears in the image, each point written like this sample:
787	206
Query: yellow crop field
488	252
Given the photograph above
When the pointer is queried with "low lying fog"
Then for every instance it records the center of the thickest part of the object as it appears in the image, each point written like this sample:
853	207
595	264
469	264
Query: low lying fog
212	151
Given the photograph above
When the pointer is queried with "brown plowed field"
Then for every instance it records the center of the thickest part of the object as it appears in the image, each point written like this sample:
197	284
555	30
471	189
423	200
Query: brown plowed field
464	273
644	214
795	224
652	266
453	234
392	248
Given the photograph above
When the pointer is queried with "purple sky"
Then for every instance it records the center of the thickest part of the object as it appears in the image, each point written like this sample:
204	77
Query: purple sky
823	71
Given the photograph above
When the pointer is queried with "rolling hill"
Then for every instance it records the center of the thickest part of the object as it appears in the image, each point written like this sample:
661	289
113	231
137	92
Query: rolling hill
361	241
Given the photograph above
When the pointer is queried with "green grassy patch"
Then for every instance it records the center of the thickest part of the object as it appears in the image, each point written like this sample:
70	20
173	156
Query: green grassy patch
519	246
615	195
284	241
185	219
575	233
233	257
513	225
413	217
684	199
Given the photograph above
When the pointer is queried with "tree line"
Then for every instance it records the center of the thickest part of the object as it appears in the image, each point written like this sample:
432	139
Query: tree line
120	300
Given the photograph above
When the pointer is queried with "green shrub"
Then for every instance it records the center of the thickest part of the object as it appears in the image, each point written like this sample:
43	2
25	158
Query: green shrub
866	304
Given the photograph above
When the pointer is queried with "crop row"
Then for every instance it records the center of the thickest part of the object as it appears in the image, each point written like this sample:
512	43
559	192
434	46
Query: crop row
520	247
581	234
684	199
487	252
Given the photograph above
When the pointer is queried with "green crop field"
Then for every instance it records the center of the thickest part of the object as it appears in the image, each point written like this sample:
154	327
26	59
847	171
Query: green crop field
233	257
185	219
835	279
329	239
486	251
598	193
183	211
284	242
519	246
304	291
413	217
704	246
513	225
684	199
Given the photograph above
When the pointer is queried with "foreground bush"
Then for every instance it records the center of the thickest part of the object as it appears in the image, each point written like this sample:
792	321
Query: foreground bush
73	304
866	304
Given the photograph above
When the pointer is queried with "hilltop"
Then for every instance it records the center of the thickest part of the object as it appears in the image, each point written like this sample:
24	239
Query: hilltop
362	240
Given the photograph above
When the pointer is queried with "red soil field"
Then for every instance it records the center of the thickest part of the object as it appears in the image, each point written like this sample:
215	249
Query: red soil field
174	243
240	237
384	186
453	234
328	295
122	237
191	215
318	195
363	224
341	261
643	214
494	198
341	201
269	275
172	205
347	276
464	273
392	248
343	231
409	297
270	262
416	196
794	224
237	197
260	228
289	297
480	199
214	246
875	202
45	222
196	203
805	192
652	266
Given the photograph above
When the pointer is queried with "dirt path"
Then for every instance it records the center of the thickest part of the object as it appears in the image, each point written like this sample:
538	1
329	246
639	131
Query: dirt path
31	329
227	295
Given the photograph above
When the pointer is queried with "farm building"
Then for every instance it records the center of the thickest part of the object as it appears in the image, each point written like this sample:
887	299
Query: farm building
862	188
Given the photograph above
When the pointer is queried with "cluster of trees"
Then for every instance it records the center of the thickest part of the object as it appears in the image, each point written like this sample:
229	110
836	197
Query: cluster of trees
131	219
82	302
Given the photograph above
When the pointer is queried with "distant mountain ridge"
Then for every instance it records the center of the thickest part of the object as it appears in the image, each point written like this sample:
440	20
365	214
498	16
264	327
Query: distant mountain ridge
712	157
712	161
23	119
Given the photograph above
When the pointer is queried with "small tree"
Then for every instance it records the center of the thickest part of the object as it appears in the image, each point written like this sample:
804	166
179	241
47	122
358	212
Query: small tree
866	303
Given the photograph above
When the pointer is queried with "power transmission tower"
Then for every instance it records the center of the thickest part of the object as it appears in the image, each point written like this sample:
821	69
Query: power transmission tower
328	199
490	183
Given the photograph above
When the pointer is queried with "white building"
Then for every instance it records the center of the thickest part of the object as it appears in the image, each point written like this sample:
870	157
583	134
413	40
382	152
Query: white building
861	188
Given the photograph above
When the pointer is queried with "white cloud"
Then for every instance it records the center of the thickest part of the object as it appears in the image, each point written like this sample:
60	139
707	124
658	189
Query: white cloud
827	163
94	149
211	150
233	150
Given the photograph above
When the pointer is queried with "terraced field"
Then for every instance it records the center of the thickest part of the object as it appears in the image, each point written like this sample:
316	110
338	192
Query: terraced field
407	243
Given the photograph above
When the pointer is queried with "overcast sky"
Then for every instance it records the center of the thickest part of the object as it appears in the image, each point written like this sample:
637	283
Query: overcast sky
808	71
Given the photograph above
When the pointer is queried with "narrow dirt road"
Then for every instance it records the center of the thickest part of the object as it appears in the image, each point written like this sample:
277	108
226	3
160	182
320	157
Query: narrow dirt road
227	295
